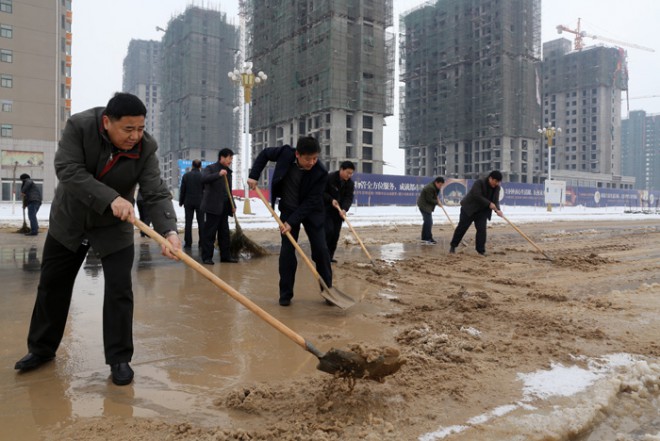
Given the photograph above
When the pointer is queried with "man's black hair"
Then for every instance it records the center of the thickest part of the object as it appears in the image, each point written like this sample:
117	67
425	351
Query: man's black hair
347	164
224	153
197	163
124	104
496	174
440	179
24	176
308	145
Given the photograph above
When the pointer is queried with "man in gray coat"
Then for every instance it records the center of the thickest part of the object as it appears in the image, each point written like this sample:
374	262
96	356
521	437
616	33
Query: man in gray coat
477	206
102	156
426	202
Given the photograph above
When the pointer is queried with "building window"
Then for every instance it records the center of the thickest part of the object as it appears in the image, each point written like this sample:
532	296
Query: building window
367	167
6	131
6	31
7	106
6	81
367	122
6	55
6	6
367	137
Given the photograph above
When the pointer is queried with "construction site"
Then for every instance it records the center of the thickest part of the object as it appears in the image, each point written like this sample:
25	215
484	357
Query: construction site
197	104
330	68
470	101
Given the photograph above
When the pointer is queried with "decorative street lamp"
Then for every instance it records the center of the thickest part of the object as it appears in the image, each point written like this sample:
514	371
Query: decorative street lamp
549	132
247	80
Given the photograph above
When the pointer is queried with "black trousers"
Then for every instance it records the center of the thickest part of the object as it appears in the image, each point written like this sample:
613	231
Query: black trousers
289	263
191	211
216	224
332	232
59	268
480	219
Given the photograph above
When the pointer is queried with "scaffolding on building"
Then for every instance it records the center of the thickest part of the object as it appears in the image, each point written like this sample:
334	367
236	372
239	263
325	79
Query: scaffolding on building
324	59
470	101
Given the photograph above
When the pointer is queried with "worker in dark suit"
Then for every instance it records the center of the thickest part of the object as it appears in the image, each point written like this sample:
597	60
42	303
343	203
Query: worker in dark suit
477	206
217	207
338	196
190	198
299	181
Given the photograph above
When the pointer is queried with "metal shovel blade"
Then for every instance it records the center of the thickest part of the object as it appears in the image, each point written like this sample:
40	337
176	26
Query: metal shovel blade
337	297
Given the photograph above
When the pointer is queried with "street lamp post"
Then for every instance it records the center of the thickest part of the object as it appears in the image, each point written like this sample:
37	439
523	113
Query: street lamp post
549	132
247	80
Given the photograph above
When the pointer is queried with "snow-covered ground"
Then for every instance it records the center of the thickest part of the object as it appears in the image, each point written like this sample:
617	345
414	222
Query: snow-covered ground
12	215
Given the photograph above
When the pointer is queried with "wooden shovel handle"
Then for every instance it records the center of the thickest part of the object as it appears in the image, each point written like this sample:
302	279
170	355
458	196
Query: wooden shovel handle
446	214
527	238
341	213
217	281
293	241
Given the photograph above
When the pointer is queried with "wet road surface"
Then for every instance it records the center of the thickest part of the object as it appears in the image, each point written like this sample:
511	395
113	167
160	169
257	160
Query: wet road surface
191	339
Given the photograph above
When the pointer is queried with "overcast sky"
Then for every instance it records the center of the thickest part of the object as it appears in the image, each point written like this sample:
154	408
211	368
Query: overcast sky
102	30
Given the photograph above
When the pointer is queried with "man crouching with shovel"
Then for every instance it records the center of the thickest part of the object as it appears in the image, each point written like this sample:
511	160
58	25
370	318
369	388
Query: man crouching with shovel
299	181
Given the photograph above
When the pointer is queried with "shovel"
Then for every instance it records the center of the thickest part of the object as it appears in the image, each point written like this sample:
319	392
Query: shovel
336	362
333	295
343	216
527	238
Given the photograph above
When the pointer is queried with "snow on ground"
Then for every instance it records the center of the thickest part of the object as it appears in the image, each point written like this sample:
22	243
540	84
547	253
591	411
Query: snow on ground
11	215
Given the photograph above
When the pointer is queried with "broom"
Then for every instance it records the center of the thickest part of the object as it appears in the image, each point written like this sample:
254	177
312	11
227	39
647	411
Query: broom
238	240
24	229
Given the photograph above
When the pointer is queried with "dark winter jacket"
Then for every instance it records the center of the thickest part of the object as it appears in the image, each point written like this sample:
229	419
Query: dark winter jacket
31	191
477	198
92	173
428	198
190	193
312	186
215	190
339	190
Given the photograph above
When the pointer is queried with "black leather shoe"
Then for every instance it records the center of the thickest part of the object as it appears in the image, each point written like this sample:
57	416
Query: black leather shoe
452	250
333	260
207	262
229	260
31	361
285	302
122	374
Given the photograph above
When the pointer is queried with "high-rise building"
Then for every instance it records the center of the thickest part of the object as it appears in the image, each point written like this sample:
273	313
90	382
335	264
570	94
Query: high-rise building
640	149
141	69
582	96
470	102
330	66
35	89
197	100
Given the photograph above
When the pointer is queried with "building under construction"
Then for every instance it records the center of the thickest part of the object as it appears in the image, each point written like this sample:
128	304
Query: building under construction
330	67
141	68
197	103
640	149
471	97
582	96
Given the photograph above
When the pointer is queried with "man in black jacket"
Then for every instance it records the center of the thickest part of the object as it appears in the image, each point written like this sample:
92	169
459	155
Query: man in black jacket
338	196
217	208
32	200
298	181
190	198
477	206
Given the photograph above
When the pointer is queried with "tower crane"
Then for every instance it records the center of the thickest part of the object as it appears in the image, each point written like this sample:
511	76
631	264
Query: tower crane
579	35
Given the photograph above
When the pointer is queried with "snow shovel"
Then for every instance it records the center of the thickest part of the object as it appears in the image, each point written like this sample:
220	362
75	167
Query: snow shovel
453	227
333	295
335	361
239	240
527	238
343	216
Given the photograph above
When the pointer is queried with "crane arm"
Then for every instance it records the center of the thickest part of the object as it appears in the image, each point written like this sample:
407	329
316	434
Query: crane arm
618	42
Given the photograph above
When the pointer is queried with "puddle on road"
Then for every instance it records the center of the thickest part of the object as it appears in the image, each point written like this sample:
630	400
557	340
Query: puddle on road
191	339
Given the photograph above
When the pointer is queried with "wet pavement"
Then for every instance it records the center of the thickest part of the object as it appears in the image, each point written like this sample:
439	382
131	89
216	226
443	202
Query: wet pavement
192	341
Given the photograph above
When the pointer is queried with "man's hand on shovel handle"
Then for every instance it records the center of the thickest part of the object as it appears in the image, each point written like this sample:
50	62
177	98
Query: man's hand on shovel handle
173	238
